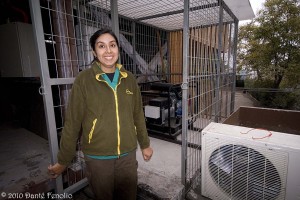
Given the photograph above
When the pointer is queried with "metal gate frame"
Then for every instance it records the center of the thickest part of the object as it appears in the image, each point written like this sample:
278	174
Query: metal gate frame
47	82
191	159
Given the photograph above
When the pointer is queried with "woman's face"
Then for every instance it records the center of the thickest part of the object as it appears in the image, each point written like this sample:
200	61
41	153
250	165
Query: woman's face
107	52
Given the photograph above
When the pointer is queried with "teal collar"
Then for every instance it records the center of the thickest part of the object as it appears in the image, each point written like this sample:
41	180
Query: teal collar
113	83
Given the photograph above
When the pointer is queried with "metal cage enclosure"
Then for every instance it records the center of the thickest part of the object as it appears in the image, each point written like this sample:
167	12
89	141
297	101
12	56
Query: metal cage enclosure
191	42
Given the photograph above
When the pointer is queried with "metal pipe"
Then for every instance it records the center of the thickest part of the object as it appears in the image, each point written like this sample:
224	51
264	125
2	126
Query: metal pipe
235	40
185	53
219	60
115	20
76	186
134	47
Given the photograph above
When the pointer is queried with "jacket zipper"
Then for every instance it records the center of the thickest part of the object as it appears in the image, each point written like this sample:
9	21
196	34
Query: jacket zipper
92	130
117	113
118	119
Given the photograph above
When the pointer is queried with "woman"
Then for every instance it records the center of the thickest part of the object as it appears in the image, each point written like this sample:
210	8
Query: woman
106	104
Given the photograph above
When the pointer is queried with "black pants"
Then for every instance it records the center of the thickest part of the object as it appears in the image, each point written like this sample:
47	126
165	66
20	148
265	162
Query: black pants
114	179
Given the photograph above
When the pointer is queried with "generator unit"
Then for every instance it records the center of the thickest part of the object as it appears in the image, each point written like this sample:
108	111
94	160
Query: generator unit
163	111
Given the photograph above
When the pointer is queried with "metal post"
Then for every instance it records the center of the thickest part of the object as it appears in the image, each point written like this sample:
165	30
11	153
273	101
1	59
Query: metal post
114	17
115	20
185	53
133	47
168	70
235	40
218	75
45	85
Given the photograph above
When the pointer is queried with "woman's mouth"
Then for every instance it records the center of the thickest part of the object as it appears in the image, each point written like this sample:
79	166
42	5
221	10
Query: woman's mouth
108	57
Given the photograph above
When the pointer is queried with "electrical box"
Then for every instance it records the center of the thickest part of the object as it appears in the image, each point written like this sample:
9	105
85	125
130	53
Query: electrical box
18	55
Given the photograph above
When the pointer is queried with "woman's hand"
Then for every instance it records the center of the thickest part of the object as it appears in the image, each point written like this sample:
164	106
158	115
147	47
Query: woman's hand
147	153
56	170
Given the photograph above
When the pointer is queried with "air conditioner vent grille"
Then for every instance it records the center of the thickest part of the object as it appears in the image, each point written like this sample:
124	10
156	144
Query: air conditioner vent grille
245	172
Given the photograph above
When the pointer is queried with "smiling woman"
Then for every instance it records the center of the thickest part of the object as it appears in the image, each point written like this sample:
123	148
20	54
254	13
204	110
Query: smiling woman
106	104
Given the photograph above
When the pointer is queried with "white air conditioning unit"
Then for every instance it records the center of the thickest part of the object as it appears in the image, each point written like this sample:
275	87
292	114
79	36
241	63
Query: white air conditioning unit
249	164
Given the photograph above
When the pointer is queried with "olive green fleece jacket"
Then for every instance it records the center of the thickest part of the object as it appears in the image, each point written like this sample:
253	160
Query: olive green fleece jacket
111	121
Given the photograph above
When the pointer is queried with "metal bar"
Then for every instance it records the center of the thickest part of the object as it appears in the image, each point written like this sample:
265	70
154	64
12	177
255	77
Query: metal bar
205	26
114	17
133	27
168	58
125	33
230	13
178	11
218	71
229	80
77	186
142	23
47	97
115	20
61	81
235	40
185	53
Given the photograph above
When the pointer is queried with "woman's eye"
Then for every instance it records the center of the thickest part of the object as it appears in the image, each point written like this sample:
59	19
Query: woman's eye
101	46
113	45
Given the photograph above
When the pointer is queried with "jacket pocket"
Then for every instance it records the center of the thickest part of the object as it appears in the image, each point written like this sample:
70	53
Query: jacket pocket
92	130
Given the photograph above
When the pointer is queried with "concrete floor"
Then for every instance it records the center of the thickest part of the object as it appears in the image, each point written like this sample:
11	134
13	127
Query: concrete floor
24	160
162	174
159	178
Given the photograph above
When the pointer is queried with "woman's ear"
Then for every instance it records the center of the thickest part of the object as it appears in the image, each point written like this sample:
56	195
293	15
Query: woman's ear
94	53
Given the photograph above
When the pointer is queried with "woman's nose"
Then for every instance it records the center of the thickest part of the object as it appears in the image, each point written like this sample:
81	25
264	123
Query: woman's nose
108	49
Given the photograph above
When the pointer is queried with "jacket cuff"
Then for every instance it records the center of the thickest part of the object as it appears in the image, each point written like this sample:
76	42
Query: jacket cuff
145	145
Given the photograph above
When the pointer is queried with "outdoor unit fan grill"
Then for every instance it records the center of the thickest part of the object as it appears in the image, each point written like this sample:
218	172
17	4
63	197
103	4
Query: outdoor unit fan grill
244	171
